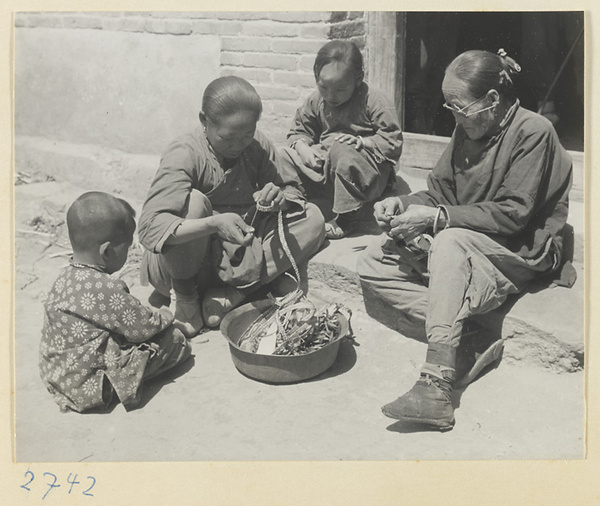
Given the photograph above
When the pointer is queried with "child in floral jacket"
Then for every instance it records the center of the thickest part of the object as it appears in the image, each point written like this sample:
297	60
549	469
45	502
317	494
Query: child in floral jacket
97	338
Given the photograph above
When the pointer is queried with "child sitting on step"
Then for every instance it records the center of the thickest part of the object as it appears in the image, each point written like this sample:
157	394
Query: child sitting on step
346	136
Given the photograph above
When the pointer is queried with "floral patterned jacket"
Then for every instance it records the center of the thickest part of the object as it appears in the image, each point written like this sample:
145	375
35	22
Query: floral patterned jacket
93	340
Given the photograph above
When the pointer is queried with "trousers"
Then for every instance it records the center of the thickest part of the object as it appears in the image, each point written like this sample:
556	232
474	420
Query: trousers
469	274
304	235
350	178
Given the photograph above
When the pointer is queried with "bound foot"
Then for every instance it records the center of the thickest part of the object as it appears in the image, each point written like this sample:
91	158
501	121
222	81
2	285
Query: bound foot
341	226
158	300
427	404
283	284
218	302
187	312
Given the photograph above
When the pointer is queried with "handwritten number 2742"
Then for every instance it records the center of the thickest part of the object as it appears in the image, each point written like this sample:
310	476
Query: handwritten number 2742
71	480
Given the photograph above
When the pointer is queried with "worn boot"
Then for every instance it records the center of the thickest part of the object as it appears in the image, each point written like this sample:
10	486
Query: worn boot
217	302
428	402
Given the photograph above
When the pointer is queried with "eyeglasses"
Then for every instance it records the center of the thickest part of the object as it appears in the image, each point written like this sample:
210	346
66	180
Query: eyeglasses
461	111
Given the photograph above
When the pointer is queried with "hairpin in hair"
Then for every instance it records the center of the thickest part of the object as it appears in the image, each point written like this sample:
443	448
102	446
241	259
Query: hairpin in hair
512	64
504	77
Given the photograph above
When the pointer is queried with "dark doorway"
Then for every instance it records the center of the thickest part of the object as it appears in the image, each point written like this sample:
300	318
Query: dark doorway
548	45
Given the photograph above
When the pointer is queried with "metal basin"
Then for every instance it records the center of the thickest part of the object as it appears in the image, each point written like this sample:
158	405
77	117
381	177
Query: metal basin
275	368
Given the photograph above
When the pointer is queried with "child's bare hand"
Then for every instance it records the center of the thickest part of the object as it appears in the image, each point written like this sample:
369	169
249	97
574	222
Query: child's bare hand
165	312
184	329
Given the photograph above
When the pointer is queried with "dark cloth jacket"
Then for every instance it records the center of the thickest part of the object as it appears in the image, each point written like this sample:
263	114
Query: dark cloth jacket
368	113
189	163
513	187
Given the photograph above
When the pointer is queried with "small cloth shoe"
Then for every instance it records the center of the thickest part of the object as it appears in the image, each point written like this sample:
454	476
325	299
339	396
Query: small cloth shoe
341	226
427	404
218	302
188	315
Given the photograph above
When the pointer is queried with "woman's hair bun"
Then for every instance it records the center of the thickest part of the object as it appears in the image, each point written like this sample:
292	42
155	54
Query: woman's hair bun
512	66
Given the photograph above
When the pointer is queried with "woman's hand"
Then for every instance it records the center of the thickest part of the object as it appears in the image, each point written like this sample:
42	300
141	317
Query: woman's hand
271	195
412	222
385	210
232	228
311	157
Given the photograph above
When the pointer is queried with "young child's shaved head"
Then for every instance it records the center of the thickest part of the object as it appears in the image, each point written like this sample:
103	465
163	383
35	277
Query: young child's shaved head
97	217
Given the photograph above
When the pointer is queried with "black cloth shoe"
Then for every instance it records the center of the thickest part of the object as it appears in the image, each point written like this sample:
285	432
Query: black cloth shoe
427	403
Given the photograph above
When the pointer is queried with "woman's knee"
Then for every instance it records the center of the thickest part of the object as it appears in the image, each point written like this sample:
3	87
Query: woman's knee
369	264
198	206
316	223
341	156
450	247
451	238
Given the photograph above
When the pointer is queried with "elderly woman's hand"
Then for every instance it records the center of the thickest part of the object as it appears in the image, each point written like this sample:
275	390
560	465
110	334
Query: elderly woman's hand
271	196
385	210
412	222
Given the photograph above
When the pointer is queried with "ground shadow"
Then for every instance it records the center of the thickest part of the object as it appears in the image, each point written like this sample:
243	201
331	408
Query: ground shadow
387	315
365	221
104	410
153	386
459	391
345	361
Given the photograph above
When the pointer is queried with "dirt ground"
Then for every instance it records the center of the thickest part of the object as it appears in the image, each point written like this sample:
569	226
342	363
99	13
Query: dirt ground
208	411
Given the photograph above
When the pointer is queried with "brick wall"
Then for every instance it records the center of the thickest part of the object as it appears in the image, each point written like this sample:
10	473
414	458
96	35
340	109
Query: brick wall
349	25
275	51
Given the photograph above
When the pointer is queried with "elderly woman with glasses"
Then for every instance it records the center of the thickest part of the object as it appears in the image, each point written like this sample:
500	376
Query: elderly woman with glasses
494	213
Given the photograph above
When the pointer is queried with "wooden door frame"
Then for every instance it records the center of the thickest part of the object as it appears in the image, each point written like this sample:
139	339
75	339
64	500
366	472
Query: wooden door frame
386	46
386	43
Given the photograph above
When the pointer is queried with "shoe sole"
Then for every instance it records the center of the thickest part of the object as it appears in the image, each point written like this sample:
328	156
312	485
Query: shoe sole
434	424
